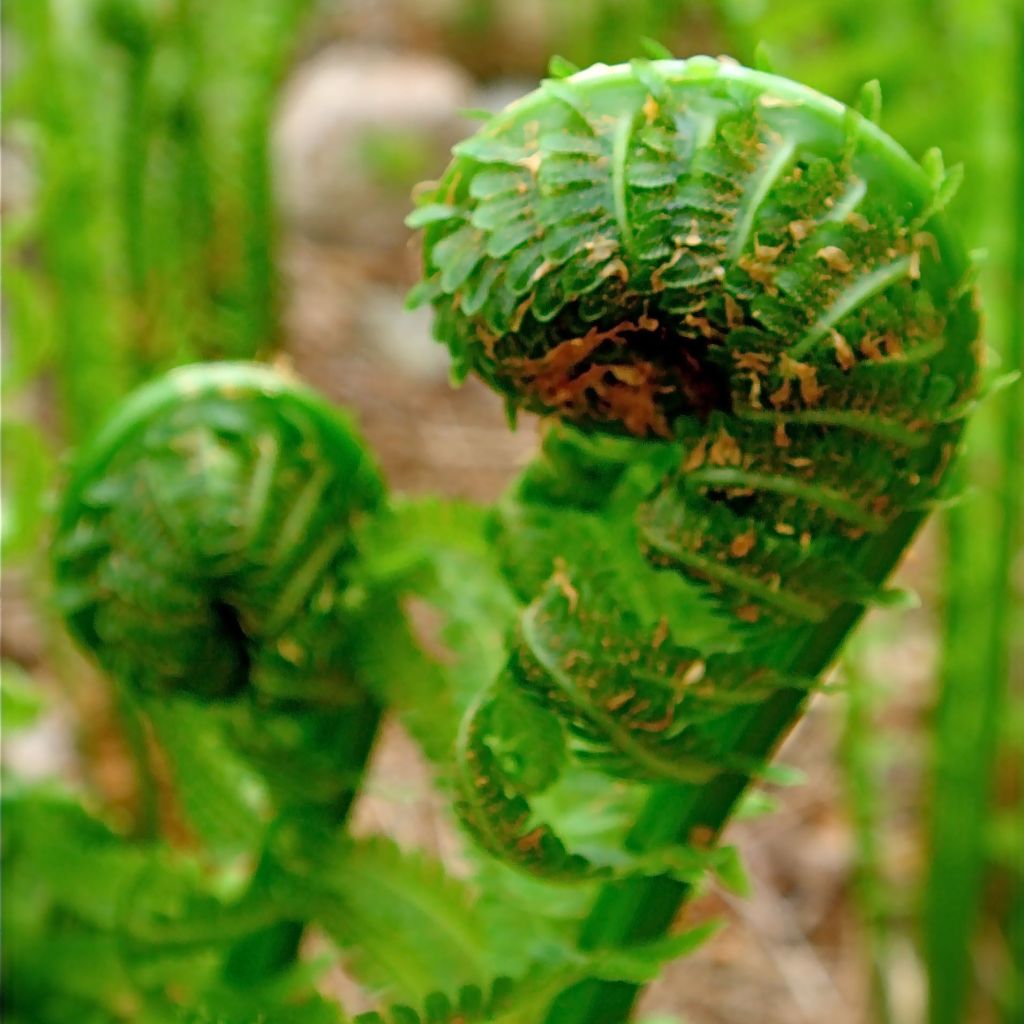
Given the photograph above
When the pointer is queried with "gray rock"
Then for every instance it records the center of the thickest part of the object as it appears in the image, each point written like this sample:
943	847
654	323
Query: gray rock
356	129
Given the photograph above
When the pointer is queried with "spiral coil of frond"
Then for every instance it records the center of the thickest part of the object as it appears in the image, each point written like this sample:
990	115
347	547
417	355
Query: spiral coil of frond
748	274
204	537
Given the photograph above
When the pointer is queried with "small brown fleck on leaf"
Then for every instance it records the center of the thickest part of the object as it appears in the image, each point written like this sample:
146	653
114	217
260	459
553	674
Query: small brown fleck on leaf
835	258
725	451
521	310
693	238
531	162
805	540
531	841
914	270
748	613
756	362
800	229
615	268
781	395
754	396
545	267
657	282
697	455
781	438
858	221
880	504
893	345
701	837
761	272
651	109
807	379
786	529
600	249
926	240
561	580
617	700
768	101
631	375
660	633
703	325
290	650
743	544
767	253
869	347
694	673
487	338
733	312
844	354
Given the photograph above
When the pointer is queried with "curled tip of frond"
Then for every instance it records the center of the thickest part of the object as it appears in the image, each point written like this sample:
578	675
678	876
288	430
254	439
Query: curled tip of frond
763	58
870	101
476	114
561	67
933	165
655	50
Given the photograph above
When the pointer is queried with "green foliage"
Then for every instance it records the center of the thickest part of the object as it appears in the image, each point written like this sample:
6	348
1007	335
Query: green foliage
101	929
145	234
746	306
408	929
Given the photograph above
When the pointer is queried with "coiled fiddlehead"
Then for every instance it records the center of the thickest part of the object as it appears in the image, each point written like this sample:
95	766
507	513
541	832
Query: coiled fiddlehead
203	541
758	283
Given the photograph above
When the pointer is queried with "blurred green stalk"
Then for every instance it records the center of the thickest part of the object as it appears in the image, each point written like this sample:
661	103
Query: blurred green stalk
69	228
860	750
983	535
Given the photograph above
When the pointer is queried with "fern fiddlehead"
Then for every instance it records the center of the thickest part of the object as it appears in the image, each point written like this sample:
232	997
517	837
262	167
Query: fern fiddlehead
202	549
744	306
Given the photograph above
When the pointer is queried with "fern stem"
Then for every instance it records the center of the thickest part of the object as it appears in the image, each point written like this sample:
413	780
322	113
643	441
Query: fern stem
865	801
640	910
147	822
983	540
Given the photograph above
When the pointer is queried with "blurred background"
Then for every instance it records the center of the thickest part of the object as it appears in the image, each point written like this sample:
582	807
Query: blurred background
188	180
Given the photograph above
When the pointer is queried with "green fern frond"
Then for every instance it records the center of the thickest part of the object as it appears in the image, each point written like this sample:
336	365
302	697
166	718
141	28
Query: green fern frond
405	926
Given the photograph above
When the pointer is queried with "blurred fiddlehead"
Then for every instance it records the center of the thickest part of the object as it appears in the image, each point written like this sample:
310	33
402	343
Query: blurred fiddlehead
201	556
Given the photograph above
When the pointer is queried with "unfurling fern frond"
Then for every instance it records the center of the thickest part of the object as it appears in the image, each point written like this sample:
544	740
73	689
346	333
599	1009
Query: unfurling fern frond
202	549
745	306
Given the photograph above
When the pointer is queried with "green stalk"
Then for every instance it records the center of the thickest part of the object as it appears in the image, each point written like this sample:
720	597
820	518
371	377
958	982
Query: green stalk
72	226
638	910
982	537
125	25
189	206
274	949
858	751
272	50
134	131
